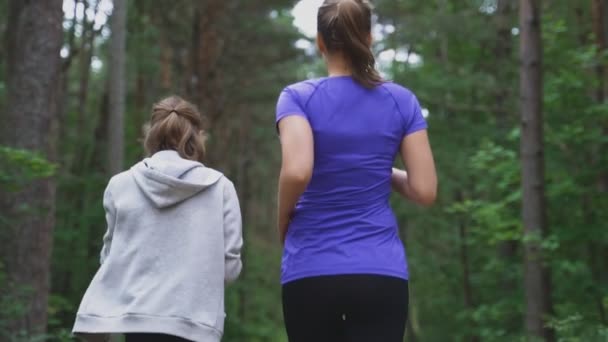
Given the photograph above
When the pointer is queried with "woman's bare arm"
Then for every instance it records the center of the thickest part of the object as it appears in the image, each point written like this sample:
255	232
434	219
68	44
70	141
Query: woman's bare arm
296	167
419	182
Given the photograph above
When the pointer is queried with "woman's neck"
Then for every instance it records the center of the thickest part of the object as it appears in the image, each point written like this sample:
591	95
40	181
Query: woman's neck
337	66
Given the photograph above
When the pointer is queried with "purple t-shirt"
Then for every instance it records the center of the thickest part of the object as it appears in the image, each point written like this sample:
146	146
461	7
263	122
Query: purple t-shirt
343	223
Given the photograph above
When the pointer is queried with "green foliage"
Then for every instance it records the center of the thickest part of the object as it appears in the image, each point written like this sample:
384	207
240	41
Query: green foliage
471	94
10	306
19	167
575	328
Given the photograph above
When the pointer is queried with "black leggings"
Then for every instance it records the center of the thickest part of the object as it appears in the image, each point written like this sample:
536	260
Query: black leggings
346	308
153	338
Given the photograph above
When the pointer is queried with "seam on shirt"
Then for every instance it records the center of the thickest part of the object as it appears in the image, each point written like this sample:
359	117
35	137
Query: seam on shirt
401	115
142	315
316	86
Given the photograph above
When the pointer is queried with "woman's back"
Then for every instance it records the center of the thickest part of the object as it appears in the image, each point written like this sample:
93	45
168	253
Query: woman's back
173	240
344	272
343	223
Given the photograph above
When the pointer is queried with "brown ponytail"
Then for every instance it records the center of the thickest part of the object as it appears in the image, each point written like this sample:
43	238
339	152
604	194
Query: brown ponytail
345	26
176	125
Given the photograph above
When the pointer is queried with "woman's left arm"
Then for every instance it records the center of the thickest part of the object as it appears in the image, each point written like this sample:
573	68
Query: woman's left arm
297	150
110	209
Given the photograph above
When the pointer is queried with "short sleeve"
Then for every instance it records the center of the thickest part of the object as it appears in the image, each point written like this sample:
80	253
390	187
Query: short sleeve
288	104
414	120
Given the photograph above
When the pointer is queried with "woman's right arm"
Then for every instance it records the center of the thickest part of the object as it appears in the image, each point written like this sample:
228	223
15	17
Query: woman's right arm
418	182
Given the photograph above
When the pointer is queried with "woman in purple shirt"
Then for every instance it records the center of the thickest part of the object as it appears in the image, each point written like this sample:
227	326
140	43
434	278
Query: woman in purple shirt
344	270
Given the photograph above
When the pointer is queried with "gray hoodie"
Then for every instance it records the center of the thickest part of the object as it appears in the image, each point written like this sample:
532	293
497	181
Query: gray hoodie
173	241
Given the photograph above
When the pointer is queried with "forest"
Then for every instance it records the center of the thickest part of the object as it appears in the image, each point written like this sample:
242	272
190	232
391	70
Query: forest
515	93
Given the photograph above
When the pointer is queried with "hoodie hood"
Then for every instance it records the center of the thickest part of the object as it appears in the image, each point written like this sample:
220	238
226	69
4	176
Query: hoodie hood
167	179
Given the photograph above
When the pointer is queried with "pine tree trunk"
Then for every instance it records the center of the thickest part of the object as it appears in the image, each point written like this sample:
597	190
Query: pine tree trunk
117	93
537	280
62	106
505	120
33	72
210	47
166	64
600	28
467	288
87	50
598	12
242	164
503	50
193	67
466	275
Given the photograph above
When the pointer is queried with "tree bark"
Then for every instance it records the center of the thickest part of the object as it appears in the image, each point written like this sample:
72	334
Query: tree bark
210	46
537	280
33	71
117	93
243	165
469	302
62	104
598	12
505	120
87	50
503	50
193	67
466	275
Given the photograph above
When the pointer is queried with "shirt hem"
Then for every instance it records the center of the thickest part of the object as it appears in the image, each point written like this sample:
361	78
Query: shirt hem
373	271
140	323
415	129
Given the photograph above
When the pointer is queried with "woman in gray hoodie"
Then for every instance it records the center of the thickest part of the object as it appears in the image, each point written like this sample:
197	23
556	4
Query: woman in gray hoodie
173	240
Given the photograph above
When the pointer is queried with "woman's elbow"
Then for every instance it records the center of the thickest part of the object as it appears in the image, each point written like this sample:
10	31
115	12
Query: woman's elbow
232	270
299	176
427	199
426	194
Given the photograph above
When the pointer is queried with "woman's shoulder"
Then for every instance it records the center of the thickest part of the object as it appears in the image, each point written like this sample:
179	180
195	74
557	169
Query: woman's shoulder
397	90
301	92
404	98
305	87
119	180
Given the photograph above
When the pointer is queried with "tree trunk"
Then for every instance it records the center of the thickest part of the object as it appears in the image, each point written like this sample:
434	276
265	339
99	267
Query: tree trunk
412	330
166	64
62	96
193	67
33	71
116	124
467	288
466	275
87	50
598	12
503	50
94	159
242	164
505	120
537	280
210	46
